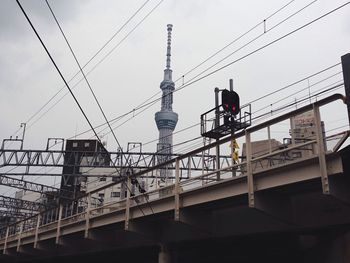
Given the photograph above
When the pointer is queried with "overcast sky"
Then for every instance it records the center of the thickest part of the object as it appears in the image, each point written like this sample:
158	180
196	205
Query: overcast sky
133	71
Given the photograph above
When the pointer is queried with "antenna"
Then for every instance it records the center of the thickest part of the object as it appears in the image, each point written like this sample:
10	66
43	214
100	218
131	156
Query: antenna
168	53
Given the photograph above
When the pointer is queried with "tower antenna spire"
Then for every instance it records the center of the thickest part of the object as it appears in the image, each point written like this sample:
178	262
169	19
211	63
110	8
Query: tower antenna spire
166	119
168	53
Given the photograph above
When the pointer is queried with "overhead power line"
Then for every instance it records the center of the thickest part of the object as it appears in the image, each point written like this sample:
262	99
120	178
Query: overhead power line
303	89
235	40
82	72
263	47
88	83
292	84
193	80
89	61
274	13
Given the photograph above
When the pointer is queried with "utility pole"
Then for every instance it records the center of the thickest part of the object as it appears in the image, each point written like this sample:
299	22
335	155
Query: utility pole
232	139
345	61
23	125
217	124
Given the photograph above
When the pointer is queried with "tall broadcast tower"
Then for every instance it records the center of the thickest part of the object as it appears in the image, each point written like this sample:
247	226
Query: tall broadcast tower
166	119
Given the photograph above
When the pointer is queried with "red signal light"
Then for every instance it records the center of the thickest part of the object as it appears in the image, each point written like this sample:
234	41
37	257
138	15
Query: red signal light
230	101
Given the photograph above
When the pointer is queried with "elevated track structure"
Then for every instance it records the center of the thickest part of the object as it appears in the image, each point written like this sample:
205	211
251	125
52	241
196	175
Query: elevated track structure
299	188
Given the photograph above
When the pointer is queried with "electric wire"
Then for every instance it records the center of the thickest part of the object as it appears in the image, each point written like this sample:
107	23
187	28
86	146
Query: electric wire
64	80
251	41
292	84
82	72
280	9
291	104
89	85
263	47
90	60
193	80
233	41
300	28
301	90
154	101
296	102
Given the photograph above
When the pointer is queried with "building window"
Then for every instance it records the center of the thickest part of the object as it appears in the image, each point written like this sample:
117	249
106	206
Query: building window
103	179
75	144
87	144
115	194
101	195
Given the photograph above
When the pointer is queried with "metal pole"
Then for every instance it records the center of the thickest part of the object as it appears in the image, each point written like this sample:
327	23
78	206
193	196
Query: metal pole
269	138
232	147
87	216
127	204
345	60
58	232
321	151
37	231
217	124
251	200
177	190
20	236
292	129
24	132
6	237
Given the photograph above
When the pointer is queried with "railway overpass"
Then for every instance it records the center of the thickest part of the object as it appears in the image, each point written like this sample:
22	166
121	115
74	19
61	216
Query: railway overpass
290	203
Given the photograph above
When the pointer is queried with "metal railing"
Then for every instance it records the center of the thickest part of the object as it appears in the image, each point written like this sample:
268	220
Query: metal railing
252	162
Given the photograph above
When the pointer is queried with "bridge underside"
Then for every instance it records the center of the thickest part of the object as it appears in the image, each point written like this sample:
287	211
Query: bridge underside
313	227
292	220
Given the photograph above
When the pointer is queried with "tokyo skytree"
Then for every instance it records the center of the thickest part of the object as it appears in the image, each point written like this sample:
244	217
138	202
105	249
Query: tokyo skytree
166	119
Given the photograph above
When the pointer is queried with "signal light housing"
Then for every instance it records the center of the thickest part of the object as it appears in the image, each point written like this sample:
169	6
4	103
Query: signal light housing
230	101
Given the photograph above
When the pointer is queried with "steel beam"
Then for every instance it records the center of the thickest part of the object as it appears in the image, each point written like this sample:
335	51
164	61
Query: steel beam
55	158
19	204
33	187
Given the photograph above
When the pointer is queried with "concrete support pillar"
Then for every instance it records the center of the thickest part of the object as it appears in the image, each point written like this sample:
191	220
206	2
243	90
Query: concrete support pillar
164	254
